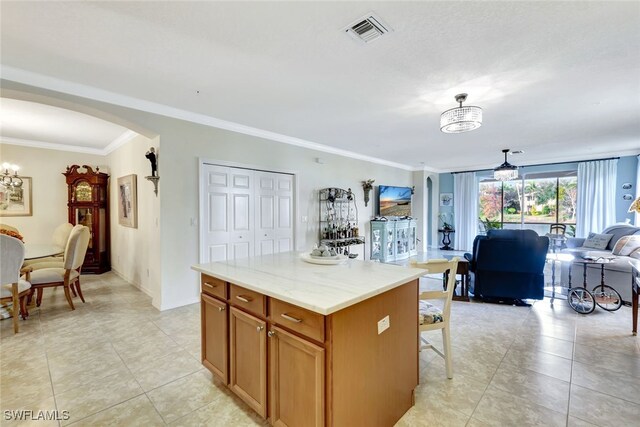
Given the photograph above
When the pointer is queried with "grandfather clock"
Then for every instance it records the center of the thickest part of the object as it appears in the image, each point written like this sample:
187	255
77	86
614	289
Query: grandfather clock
89	205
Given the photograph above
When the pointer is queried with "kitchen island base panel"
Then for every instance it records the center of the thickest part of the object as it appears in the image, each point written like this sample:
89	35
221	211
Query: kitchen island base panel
373	376
296	367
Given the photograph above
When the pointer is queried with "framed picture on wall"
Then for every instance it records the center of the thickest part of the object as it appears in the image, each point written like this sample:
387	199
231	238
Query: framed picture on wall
446	199
128	201
16	201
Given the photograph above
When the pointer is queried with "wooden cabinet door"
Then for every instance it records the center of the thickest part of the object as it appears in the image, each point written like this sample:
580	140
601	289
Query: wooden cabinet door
248	350
296	377
215	337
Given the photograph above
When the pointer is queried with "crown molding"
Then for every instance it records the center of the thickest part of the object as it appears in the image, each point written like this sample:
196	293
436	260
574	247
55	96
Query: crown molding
85	91
51	146
113	145
126	136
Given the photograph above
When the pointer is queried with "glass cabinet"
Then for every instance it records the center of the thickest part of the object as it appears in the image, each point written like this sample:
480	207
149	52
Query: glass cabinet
393	240
88	205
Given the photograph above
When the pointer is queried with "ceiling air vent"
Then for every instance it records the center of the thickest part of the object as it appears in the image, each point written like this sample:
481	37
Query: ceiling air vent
368	28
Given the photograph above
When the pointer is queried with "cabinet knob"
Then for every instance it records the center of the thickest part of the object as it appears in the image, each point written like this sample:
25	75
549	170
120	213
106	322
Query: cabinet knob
260	328
271	333
220	308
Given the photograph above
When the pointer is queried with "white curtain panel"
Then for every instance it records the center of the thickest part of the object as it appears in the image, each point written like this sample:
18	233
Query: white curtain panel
596	196
465	199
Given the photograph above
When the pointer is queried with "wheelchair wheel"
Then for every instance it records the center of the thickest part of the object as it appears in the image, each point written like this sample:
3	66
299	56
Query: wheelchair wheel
581	300
607	298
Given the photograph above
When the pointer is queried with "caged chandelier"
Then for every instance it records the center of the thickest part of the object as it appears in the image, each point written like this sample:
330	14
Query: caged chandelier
506	171
461	119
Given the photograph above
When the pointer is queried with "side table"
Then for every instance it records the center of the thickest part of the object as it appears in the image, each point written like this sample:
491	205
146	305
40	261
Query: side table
635	292
463	271
446	239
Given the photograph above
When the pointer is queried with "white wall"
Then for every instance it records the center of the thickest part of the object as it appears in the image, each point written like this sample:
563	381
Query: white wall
183	143
135	252
45	167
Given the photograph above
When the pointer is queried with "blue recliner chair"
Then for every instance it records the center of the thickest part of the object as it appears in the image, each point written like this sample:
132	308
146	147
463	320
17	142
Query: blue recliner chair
508	265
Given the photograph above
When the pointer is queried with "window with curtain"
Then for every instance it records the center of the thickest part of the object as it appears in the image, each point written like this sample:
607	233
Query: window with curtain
533	201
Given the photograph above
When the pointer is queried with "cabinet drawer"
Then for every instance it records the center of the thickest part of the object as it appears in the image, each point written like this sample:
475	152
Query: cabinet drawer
298	319
214	287
251	301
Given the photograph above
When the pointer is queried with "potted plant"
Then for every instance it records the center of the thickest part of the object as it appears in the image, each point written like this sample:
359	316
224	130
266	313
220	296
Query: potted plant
446	225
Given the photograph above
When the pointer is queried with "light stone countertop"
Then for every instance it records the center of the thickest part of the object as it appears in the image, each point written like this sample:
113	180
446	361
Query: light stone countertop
323	289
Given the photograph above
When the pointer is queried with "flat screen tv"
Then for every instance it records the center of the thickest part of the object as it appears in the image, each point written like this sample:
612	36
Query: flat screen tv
394	201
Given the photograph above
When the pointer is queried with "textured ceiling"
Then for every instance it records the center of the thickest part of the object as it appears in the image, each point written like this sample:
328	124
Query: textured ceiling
33	123
560	80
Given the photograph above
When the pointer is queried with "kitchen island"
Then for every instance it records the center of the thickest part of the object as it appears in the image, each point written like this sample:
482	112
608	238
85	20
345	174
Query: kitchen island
313	345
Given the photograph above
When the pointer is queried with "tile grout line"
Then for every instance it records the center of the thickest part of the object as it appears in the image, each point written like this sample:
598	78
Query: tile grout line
497	368
46	355
126	400
145	392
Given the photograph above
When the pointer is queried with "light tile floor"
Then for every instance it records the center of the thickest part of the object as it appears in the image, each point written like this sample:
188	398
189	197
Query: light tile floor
116	360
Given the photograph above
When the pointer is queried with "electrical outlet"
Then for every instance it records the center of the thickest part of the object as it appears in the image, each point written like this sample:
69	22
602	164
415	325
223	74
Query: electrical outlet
383	324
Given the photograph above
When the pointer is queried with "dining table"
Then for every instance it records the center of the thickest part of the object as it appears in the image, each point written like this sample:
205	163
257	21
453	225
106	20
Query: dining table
32	251
41	250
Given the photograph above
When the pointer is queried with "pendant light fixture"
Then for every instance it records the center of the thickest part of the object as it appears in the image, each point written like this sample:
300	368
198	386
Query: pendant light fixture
461	119
506	171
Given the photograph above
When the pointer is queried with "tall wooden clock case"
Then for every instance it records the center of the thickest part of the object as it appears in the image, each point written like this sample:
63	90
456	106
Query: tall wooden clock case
89	205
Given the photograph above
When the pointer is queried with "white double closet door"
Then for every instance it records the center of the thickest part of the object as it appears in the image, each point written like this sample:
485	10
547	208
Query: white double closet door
244	212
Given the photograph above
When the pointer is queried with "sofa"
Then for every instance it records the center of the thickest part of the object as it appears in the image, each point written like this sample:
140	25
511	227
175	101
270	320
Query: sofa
508	265
617	273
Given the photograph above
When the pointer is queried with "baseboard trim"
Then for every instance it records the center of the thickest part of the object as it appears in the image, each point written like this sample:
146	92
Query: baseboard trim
147	291
164	307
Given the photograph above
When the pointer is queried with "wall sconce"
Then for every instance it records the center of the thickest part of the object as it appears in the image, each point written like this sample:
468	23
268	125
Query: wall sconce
367	186
151	155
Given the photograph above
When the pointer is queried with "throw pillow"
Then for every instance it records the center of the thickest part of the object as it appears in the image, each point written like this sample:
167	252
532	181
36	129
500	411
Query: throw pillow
626	245
597	241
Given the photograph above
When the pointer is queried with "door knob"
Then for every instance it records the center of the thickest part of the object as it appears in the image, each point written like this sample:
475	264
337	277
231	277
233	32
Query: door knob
220	308
259	328
271	334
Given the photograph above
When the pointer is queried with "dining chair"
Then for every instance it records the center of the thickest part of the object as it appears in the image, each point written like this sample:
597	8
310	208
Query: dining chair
13	288
59	239
430	317
8	227
557	236
559	229
69	275
53	261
